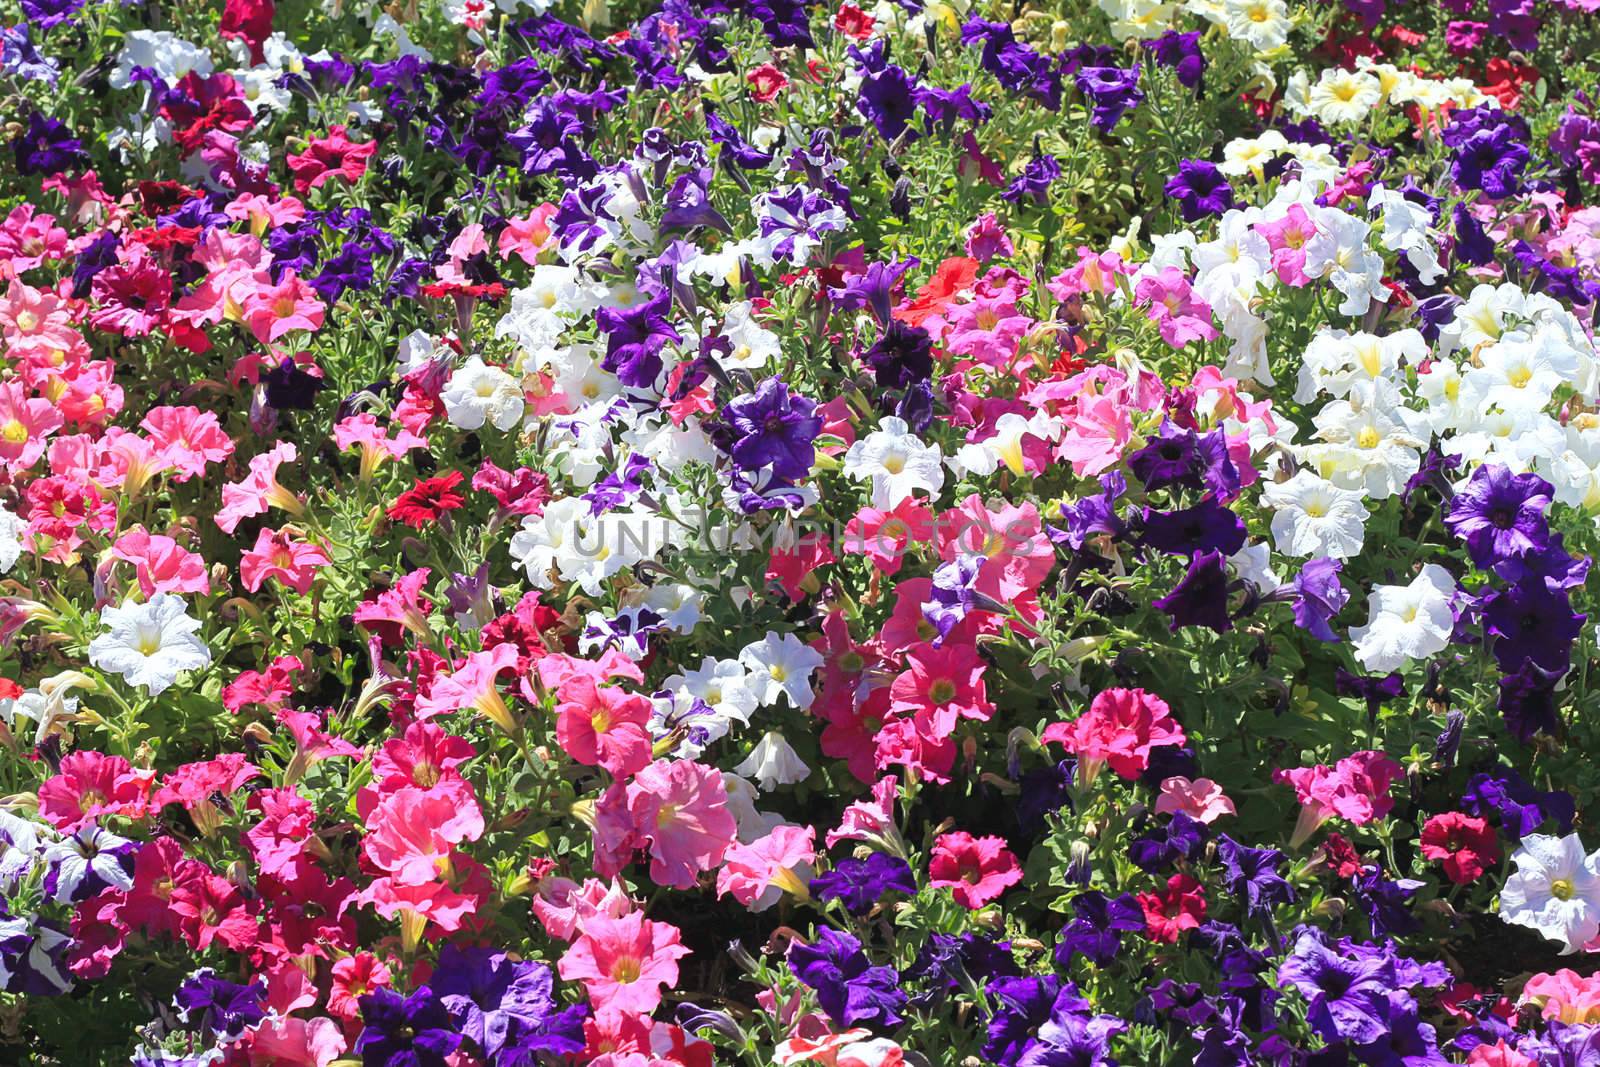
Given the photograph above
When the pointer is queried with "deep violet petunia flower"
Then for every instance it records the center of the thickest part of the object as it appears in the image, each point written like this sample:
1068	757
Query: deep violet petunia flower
849	987
634	339
1253	875
226	1009
859	884
500	1004
1181	52
1532	623
1500	514
1206	527
772	428
1201	597
398	1031
1096	931
1035	180
1200	190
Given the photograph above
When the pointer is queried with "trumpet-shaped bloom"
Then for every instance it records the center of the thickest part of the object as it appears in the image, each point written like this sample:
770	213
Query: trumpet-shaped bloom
150	644
624	963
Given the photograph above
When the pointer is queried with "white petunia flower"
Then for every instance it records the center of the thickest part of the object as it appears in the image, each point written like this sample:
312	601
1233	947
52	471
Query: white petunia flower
1336	360
1344	96
1253	563
1263	24
752	824
1406	622
1377	439
1554	890
165	53
19	849
11	531
898	463
781	666
1339	252
478	393
722	684
1314	517
150	644
773	762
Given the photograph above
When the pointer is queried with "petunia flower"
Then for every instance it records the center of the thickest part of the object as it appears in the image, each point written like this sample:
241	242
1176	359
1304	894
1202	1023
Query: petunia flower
282	555
758	874
150	644
624	963
976	869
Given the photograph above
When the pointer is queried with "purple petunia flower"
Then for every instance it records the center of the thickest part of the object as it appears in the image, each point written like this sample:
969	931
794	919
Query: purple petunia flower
1533	623
771	428
1096	931
223	1008
1111	91
1206	527
1521	807
634	339
503	1006
1318	597
859	884
1035	180
1253	874
18	56
849	987
46	145
873	288
398	1031
1500	515
1201	597
1181	52
1346	999
1200	190
954	594
1021	1006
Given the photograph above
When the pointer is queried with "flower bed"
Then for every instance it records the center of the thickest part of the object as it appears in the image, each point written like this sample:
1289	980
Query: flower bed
1045	535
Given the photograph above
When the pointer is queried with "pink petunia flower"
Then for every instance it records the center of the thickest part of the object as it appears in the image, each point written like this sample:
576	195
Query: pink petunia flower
528	235
270	688
758	874
678	810
399	608
259	490
562	906
274	310
873	820
92	784
1179	314
1120	728
624	963
1355	789
1201	799
196	785
412	832
282	555
188	438
362	430
604	726
160	564
25	422
473	686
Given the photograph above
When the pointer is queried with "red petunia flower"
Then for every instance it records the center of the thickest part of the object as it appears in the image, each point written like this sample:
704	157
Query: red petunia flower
1466	845
1181	906
428	500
